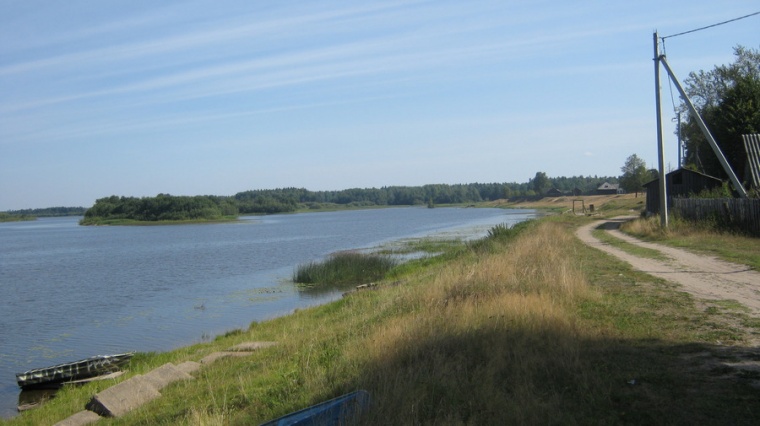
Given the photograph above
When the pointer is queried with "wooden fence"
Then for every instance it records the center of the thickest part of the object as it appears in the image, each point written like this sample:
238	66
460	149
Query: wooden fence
740	213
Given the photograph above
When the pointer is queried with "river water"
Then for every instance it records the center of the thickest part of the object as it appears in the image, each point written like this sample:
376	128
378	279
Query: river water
68	292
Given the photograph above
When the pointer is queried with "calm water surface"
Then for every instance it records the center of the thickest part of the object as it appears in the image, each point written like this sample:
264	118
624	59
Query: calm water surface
69	292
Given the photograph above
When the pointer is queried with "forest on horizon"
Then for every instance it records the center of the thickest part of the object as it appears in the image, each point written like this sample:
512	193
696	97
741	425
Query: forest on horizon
284	200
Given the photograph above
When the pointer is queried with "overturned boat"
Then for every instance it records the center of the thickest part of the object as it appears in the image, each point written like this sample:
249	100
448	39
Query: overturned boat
342	410
83	369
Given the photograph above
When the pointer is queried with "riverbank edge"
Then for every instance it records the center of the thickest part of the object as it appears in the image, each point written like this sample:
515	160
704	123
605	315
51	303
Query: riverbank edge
219	380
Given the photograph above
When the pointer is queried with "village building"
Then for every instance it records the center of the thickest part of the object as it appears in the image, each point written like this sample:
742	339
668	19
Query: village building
679	183
608	189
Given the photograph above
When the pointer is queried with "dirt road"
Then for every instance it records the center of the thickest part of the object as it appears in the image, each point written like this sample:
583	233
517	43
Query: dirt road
705	277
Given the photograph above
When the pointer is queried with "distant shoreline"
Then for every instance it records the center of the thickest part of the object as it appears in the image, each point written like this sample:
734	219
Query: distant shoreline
133	222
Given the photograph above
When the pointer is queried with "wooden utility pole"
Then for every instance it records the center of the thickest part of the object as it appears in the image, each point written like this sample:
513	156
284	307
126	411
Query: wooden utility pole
660	144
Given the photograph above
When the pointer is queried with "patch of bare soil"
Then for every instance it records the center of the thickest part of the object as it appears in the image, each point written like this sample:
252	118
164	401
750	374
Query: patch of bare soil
709	280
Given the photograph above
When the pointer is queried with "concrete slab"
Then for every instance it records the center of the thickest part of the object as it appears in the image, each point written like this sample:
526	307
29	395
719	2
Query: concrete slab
123	397
216	356
108	376
79	419
251	346
166	374
189	367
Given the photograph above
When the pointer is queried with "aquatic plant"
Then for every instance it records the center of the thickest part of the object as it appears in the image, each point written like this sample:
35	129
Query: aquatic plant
347	267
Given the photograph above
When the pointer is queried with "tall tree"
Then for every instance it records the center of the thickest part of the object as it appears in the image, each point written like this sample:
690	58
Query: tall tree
728	99
635	174
540	183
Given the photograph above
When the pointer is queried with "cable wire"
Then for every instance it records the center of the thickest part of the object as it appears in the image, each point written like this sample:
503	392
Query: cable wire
711	26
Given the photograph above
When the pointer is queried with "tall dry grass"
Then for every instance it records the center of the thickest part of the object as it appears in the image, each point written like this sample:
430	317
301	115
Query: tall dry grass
650	227
490	342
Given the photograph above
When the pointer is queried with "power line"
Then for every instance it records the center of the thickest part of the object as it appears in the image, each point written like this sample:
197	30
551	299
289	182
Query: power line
711	26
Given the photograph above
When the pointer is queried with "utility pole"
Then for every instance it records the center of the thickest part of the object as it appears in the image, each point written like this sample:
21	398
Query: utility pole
660	144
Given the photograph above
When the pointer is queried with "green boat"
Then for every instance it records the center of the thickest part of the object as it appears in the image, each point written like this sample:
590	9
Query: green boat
59	374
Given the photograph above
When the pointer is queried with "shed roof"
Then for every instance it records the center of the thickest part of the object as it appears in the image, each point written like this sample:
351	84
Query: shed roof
607	185
682	170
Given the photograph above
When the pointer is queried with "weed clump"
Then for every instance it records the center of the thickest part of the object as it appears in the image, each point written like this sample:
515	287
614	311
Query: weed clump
500	235
345	268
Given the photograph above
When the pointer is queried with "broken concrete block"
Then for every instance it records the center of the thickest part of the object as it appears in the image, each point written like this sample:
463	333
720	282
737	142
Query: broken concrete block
79	419
123	397
251	346
211	358
166	374
189	367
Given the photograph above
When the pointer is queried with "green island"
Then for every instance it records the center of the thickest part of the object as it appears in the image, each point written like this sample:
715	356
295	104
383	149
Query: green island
526	326
159	210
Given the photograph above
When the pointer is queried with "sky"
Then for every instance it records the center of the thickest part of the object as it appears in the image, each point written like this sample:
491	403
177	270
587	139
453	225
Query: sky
139	97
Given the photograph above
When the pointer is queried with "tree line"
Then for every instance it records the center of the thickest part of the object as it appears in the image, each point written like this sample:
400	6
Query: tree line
49	212
292	199
165	207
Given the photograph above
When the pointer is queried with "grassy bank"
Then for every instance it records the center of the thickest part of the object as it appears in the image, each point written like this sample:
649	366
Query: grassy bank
6	217
528	327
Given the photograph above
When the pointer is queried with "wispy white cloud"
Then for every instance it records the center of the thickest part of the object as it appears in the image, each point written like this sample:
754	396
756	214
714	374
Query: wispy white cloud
414	77
372	56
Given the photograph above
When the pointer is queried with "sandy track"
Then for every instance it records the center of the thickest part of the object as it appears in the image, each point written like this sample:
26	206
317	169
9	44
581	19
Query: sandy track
705	277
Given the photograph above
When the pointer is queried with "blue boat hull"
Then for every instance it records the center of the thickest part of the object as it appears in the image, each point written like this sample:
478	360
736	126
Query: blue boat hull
336	411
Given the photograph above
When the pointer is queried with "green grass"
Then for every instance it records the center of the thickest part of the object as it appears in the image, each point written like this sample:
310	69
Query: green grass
5	217
534	329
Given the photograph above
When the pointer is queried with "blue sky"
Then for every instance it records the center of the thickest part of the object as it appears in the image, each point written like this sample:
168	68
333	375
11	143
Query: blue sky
138	97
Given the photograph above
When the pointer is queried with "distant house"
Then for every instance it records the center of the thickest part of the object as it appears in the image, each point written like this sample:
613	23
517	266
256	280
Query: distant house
678	183
554	192
577	192
608	189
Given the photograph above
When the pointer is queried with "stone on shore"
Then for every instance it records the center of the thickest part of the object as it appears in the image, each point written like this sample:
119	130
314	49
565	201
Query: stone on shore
251	346
216	356
166	374
123	397
79	419
189	367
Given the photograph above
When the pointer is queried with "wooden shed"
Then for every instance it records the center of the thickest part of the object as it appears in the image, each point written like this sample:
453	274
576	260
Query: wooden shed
679	183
